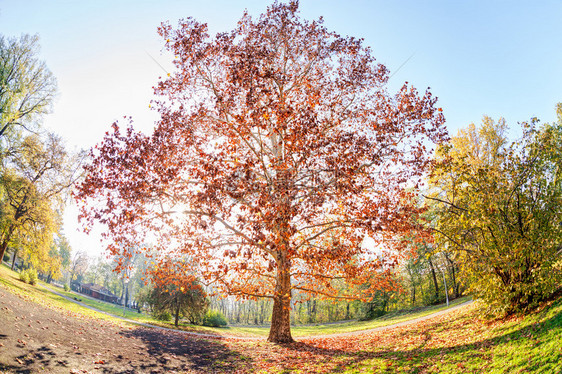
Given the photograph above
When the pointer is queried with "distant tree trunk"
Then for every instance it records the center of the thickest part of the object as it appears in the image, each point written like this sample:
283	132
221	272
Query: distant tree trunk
280	331
3	247
238	312
177	311
14	257
313	314
453	276
262	311
122	298
434	276
347	315
413	284
127	296
5	240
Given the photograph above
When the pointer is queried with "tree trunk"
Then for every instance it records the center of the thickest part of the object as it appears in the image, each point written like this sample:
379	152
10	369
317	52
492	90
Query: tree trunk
453	276
262	311
313	315
435	284
280	331
3	247
127	296
14	257
413	285
177	311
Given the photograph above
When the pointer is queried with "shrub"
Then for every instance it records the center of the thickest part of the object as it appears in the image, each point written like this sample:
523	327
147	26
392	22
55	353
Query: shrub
29	276
32	273
214	318
66	288
162	315
24	276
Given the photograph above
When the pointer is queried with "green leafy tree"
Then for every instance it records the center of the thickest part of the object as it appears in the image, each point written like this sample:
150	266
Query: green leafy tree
27	87
499	207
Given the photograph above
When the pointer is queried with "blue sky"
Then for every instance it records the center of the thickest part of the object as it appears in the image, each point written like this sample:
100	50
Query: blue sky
496	58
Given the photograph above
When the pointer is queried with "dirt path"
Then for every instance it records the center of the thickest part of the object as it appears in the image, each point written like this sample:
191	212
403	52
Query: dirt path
388	327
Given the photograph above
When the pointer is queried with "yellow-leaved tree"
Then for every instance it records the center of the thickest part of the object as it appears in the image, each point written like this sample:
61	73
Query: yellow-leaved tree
499	208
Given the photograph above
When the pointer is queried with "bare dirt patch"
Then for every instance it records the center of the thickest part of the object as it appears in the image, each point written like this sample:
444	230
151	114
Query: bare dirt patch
35	338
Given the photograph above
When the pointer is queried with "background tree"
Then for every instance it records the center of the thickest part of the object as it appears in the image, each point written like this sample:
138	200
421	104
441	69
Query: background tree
177	291
97	271
57	259
34	184
27	87
78	266
499	209
278	150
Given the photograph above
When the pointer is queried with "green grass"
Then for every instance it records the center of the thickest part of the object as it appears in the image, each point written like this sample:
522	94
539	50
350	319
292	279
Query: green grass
105	307
467	344
10	280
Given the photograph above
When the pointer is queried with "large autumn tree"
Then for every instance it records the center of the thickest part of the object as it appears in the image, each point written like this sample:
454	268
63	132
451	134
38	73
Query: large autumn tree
277	151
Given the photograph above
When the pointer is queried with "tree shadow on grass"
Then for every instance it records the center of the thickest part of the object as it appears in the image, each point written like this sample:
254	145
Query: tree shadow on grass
177	351
418	358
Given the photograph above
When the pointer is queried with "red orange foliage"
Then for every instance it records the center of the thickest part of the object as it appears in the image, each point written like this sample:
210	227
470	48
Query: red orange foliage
277	151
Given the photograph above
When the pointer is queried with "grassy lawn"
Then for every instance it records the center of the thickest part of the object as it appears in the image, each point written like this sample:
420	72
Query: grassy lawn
256	331
462	341
531	344
38	294
10	280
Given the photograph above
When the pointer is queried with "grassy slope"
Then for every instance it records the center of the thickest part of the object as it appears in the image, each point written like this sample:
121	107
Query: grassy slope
10	280
457	342
466	343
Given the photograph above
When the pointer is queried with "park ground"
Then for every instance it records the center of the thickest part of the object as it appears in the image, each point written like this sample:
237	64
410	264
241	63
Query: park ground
42	332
